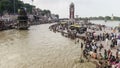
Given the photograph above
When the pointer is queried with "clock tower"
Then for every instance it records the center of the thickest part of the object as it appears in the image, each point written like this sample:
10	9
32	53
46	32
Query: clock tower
71	11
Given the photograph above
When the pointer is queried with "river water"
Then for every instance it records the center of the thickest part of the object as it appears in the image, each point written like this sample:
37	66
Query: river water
108	23
38	47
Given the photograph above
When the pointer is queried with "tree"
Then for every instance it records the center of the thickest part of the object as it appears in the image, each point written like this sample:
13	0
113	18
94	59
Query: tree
101	18
8	5
57	16
29	7
5	6
107	18
46	12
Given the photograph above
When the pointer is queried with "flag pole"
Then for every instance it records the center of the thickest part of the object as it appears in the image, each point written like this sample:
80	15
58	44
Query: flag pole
14	7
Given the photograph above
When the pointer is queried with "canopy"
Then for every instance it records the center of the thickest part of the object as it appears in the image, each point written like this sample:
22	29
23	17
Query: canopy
63	22
75	25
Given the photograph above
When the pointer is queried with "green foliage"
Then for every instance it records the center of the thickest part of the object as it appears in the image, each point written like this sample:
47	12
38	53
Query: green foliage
29	7
57	16
8	6
5	5
101	18
107	18
45	12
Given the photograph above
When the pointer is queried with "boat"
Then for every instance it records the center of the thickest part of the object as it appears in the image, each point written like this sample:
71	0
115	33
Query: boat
22	20
23	24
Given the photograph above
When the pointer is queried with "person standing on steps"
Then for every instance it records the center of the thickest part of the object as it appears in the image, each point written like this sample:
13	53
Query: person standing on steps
81	46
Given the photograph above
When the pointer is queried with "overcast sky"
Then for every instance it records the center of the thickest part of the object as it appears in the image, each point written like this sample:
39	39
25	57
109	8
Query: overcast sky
83	8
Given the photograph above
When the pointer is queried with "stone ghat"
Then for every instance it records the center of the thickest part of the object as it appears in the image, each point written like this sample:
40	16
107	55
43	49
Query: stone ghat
65	32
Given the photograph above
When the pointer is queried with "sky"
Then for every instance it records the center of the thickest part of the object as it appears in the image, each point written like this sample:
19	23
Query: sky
83	8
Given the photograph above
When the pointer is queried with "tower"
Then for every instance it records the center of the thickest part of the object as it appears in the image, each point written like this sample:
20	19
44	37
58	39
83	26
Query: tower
71	11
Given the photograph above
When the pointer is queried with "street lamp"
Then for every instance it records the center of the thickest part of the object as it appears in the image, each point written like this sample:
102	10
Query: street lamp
14	7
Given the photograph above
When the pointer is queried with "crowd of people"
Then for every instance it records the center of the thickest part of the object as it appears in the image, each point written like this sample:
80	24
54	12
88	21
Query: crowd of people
103	47
100	51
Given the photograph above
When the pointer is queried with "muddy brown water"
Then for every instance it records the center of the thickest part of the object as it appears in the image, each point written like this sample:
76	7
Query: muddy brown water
38	47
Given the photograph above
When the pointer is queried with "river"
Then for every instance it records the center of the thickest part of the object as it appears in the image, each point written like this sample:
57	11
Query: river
108	23
38	47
